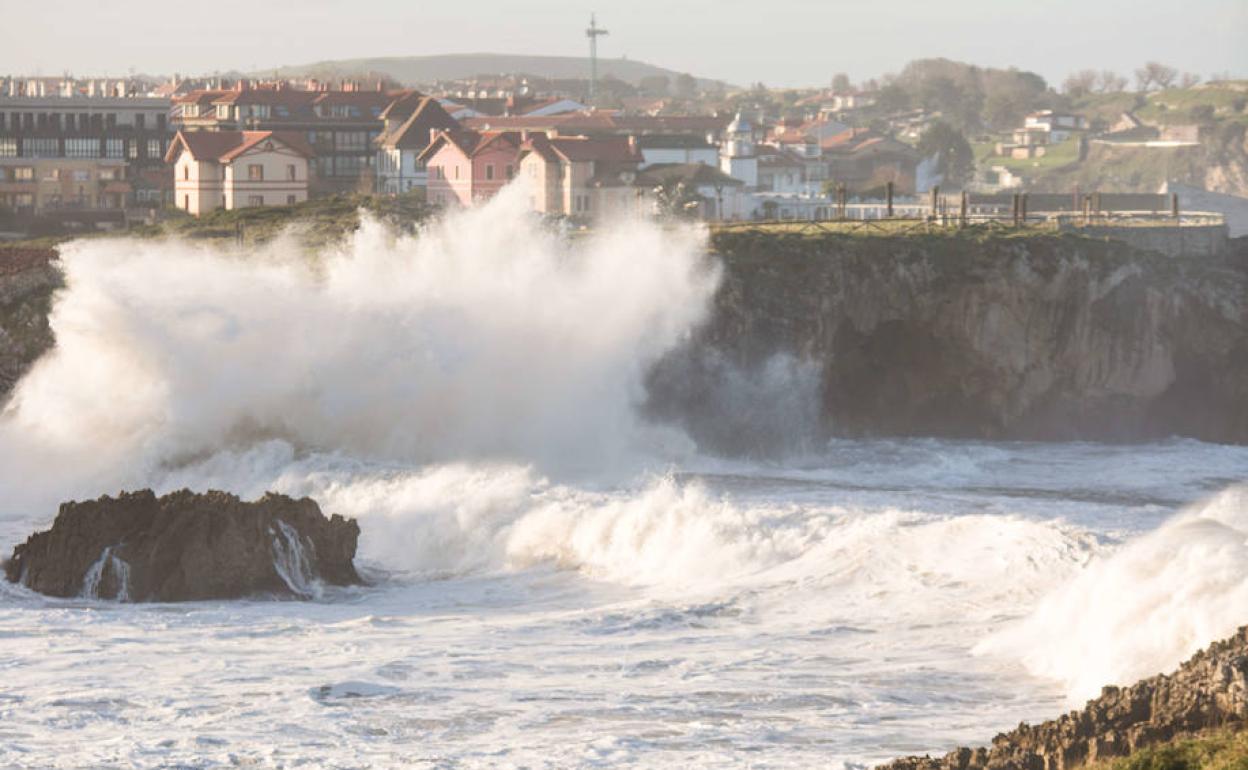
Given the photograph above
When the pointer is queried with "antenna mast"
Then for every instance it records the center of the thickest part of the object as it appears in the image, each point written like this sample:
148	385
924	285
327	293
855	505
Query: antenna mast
593	33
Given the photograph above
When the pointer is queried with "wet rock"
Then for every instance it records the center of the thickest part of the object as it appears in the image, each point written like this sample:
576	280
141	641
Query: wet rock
1208	691
185	547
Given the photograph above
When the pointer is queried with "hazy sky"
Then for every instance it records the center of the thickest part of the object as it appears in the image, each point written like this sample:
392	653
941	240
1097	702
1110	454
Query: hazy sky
780	42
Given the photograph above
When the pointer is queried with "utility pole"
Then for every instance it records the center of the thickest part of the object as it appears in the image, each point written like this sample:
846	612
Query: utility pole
593	33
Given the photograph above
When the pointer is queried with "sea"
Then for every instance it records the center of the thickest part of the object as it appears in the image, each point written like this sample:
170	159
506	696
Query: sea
553	579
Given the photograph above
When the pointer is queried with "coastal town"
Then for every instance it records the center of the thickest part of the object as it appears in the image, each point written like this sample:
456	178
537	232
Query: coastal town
80	153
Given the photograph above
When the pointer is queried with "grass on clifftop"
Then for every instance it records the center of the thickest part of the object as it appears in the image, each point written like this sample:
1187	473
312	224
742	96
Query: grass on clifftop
1223	750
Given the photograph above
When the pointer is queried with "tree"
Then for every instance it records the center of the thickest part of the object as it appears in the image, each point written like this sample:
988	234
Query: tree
841	84
1155	73
893	98
1110	82
1188	80
1203	114
957	160
656	85
674	199
686	86
1080	83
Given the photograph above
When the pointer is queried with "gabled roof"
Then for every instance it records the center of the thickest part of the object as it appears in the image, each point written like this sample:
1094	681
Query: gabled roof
697	174
469	143
415	132
580	149
225	146
402	106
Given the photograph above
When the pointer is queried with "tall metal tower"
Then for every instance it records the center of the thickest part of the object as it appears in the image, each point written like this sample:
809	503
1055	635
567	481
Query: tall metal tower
593	33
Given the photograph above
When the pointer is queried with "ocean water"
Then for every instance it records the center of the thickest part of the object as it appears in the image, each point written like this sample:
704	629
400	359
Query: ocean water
555	582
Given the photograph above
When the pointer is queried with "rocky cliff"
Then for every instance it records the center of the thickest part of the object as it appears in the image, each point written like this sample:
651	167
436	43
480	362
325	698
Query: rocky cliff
1208	691
27	280
1040	337
186	546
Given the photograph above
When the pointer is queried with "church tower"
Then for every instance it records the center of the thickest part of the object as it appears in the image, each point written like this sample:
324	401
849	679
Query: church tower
737	158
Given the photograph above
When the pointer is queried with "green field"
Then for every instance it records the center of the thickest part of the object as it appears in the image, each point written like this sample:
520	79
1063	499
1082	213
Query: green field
1057	156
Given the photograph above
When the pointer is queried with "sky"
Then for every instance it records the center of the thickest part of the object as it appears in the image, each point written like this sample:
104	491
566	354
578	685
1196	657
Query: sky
778	42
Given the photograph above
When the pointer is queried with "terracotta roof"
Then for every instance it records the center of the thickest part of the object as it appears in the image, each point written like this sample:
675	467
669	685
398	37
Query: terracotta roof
689	173
224	146
414	133
614	149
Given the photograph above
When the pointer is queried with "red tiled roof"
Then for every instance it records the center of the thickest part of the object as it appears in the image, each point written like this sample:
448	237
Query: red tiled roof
224	146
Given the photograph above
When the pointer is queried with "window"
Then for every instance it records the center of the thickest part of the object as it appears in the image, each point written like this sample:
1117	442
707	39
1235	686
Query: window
114	148
154	149
489	171
82	175
186	202
255	172
290	172
186	172
110	173
511	171
139	121
40	148
133	147
82	148
290	200
51	175
350	140
457	171
255	200
8	147
348	165
24	174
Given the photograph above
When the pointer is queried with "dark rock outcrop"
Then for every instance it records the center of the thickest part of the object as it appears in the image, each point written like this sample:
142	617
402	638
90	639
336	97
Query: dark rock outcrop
1208	691
186	546
1030	337
27	279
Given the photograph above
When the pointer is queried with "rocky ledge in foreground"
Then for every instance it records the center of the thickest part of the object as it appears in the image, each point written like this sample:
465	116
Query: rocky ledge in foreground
1208	691
186	547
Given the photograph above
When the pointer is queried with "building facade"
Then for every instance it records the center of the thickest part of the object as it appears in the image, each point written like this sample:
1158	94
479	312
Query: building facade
238	169
77	151
468	167
410	123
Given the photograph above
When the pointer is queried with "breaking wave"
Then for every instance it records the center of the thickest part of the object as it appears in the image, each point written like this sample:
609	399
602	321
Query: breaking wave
1144	609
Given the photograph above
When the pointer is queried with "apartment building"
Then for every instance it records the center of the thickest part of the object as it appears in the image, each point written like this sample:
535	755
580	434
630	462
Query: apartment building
73	148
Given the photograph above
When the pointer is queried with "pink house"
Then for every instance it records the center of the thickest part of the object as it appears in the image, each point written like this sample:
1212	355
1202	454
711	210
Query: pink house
469	166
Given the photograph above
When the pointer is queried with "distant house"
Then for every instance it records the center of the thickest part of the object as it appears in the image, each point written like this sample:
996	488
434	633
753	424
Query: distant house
780	170
410	123
465	167
238	169
865	161
579	176
677	148
1058	125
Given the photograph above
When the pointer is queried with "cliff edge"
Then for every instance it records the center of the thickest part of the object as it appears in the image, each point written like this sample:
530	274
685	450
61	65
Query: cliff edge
1028	337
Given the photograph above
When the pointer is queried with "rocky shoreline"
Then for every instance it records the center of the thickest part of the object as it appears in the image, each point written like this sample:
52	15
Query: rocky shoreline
186	547
1209	691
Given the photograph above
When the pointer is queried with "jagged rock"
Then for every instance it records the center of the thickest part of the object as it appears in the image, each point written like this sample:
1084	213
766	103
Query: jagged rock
185	547
1209	691
1037	337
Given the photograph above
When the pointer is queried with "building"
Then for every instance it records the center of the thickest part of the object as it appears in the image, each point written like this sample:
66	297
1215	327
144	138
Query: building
677	148
780	170
466	167
69	146
865	161
738	157
410	122
238	169
341	126
579	177
1058	125
718	196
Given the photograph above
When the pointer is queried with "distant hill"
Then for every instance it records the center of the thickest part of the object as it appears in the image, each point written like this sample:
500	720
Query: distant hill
415	70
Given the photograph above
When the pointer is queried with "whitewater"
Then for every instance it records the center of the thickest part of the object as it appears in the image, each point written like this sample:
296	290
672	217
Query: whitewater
554	580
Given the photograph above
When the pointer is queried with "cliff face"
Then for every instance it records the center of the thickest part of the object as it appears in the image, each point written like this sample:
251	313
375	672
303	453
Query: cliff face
1036	337
1208	691
27	280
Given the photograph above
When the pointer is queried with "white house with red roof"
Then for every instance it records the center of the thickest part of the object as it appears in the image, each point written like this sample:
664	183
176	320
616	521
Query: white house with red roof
238	169
579	176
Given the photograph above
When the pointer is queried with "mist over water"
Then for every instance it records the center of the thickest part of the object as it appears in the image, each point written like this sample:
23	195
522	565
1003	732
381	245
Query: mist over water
562	579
